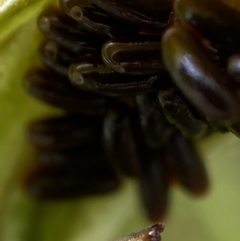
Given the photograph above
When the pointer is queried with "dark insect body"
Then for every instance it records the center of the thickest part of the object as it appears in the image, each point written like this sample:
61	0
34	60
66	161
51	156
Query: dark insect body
139	81
152	233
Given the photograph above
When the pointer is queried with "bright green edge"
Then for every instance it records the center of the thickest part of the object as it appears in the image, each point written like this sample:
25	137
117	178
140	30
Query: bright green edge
213	218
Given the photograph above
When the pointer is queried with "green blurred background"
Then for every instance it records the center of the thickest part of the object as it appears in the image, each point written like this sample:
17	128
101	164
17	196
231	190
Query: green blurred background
212	218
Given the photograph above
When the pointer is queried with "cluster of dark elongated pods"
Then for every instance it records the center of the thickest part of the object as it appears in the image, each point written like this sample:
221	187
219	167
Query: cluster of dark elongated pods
139	81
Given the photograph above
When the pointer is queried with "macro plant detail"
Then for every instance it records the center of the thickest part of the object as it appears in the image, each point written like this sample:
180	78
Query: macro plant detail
139	82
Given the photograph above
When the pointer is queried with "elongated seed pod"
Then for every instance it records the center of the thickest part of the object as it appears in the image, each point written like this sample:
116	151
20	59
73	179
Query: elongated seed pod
61	29
66	131
187	165
154	187
179	114
217	20
120	144
136	55
155	128
150	17
197	76
90	74
57	91
80	157
47	183
56	57
233	68
94	19
71	173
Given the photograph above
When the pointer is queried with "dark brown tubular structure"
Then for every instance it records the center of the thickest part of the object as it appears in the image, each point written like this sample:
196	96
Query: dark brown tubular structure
139	81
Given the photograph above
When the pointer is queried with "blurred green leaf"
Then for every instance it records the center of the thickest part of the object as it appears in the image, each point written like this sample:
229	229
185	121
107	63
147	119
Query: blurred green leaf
14	13
214	217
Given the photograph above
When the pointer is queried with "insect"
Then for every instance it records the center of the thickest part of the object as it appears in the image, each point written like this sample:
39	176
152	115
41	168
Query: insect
139	82
152	233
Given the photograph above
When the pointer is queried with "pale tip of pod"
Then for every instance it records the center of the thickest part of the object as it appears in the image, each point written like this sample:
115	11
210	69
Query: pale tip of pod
76	13
152	233
234	68
44	24
50	50
118	68
107	57
76	78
